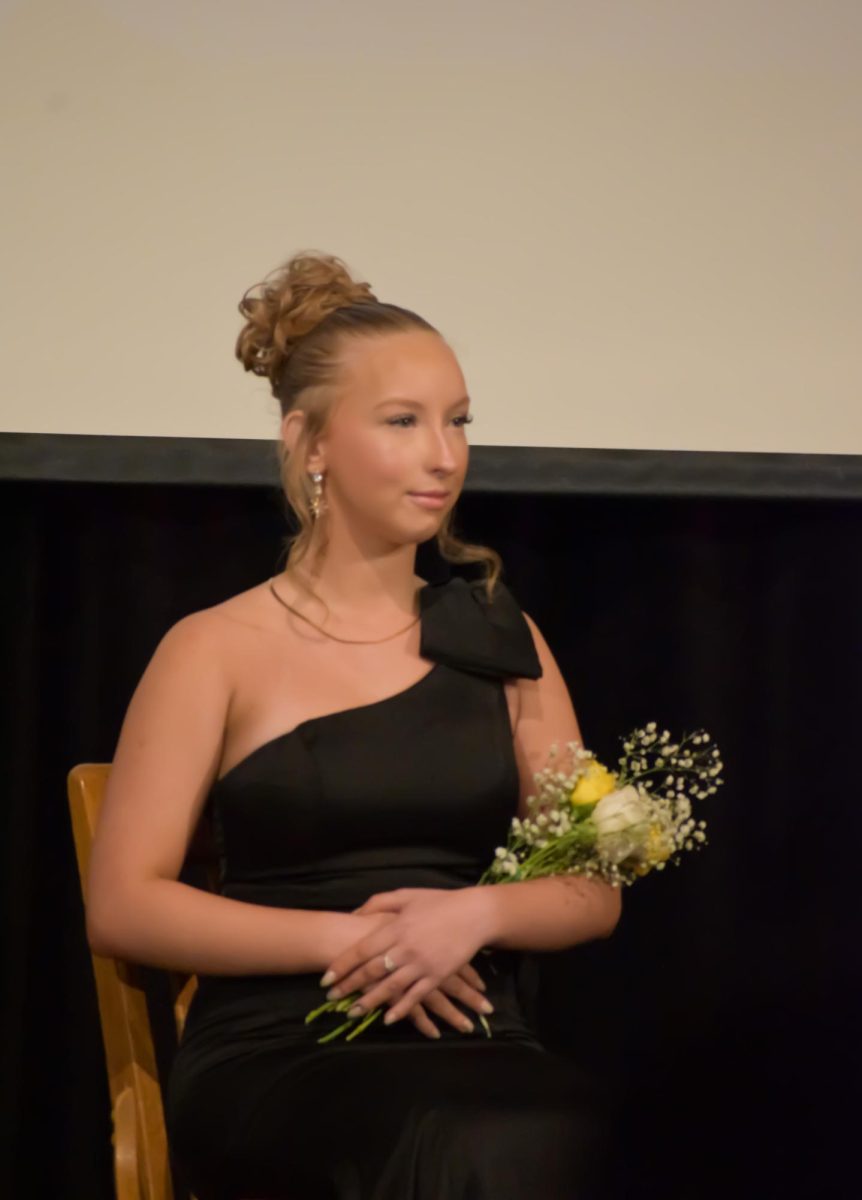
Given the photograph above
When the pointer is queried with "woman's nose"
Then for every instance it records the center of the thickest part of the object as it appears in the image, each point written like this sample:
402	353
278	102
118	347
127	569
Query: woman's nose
442	452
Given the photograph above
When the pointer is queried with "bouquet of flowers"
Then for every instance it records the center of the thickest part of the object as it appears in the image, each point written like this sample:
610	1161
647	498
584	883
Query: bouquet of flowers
588	820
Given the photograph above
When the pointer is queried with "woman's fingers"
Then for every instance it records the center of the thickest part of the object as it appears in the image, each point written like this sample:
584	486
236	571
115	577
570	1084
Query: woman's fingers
423	1022
443	1007
455	985
393	991
438	1003
472	976
390	989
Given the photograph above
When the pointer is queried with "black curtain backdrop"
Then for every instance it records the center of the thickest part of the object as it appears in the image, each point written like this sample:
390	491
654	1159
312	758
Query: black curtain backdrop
723	1010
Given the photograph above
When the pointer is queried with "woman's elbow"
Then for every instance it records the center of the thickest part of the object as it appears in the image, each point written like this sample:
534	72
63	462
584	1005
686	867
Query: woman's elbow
103	915
101	935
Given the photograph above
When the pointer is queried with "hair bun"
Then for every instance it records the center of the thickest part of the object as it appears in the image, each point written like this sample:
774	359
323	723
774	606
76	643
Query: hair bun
291	300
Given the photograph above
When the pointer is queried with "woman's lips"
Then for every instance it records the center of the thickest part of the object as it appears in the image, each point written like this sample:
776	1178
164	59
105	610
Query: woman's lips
429	499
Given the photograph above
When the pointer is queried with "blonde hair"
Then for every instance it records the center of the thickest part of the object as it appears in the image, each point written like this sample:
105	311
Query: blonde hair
295	328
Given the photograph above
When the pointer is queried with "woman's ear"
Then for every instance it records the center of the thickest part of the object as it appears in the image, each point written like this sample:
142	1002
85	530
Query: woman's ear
291	428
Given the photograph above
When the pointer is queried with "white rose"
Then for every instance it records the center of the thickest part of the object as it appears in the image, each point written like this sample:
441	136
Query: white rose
622	821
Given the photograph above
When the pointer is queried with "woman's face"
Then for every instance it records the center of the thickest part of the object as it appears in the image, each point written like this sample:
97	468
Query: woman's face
398	427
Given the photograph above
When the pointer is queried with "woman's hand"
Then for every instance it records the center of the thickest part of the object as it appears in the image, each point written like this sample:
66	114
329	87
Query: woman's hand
433	934
465	985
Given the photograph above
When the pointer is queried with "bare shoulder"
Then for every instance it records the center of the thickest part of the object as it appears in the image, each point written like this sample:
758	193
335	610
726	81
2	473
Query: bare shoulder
251	607
200	637
186	673
244	638
184	695
212	630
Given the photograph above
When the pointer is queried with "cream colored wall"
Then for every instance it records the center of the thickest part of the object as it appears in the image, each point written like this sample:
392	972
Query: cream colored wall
638	224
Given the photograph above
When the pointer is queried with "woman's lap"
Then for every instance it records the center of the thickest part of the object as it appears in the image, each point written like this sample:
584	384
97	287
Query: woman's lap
407	1122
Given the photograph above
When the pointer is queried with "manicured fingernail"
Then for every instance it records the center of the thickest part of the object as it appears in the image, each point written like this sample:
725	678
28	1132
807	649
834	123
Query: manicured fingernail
467	1026
327	979
333	994
389	1018
486	1006
355	1011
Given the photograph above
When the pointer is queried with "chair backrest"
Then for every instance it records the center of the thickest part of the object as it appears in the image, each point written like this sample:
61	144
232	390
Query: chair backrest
141	1158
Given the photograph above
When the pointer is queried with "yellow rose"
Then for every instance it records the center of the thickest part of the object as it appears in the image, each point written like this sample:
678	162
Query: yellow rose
655	849
657	846
596	782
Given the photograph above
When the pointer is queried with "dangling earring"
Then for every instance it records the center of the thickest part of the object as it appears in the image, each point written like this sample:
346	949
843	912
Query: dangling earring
317	476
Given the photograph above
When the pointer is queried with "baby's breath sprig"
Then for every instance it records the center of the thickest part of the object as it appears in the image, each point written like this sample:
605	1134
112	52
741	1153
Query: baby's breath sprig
650	753
691	770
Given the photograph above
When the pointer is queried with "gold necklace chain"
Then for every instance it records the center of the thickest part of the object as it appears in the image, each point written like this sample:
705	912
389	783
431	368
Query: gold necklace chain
355	641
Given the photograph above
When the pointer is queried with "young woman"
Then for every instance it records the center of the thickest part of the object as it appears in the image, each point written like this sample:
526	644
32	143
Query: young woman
361	738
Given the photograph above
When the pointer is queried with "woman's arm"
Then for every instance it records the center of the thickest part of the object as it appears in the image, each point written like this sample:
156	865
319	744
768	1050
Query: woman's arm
545	914
165	923
166	759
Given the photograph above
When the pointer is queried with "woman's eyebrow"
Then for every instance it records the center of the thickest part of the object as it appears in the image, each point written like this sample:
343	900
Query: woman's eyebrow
417	403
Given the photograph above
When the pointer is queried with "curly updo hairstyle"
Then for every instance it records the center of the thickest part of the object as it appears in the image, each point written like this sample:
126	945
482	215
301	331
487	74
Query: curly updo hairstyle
296	325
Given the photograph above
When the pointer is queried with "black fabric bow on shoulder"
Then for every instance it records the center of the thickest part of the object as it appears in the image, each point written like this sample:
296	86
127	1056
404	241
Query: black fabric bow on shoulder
459	627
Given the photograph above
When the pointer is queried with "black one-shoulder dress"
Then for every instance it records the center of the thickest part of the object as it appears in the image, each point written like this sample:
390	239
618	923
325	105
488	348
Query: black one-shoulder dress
414	790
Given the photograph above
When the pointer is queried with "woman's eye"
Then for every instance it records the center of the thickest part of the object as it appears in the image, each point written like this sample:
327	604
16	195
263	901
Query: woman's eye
466	419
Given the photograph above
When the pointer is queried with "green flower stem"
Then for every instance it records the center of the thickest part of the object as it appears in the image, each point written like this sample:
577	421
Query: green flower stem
557	850
328	1037
579	835
341	1005
366	1021
582	834
363	1022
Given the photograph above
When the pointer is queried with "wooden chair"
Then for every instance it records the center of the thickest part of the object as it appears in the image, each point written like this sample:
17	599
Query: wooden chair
141	1158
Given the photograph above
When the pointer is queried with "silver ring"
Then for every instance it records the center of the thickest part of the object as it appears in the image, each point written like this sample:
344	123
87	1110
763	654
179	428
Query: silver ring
388	963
